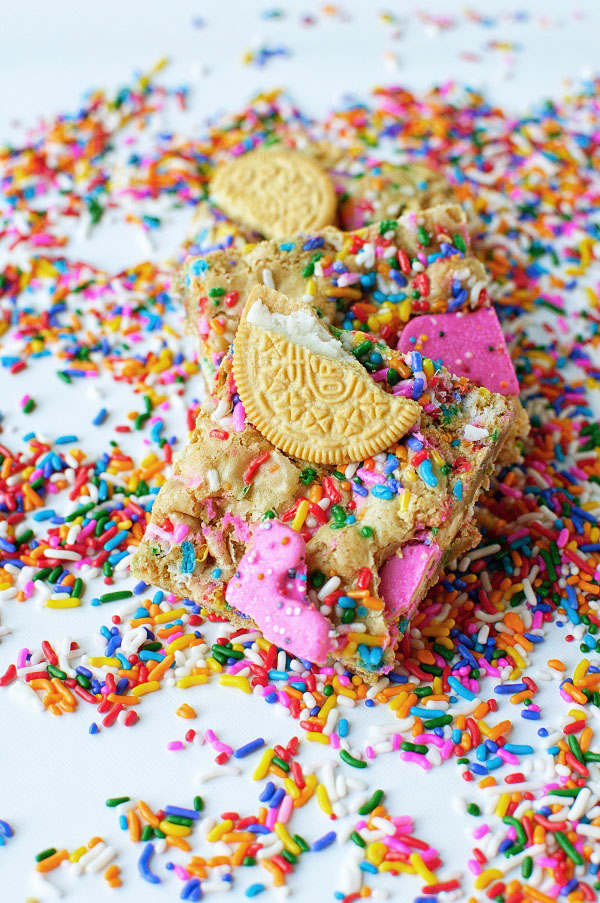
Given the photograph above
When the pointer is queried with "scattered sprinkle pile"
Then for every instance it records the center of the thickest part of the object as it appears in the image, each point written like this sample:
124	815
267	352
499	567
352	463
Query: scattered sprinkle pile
469	672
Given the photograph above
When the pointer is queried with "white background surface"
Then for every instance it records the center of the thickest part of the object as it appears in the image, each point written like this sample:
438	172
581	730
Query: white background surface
55	776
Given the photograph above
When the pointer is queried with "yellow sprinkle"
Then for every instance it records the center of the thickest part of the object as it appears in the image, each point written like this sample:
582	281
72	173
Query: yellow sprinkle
231	680
291	789
503	804
262	769
76	855
217	832
316	737
421	869
581	669
323	799
165	616
375	853
288	841
367	639
300	515
192	681
70	602
400	867
327	706
149	687
214	665
174	830
181	642
101	661
486	878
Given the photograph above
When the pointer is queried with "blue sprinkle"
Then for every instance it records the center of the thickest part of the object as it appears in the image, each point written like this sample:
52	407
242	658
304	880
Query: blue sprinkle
188	557
254	890
425	471
457	492
183	813
65	440
249	748
324	842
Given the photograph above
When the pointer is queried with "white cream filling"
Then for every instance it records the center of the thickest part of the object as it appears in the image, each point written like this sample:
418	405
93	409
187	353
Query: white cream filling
300	327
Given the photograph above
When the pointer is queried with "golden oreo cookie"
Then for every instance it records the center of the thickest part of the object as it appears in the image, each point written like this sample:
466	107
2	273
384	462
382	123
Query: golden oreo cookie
280	193
304	392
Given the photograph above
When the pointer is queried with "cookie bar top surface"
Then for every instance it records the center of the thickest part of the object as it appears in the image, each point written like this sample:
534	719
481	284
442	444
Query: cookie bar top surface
375	278
412	501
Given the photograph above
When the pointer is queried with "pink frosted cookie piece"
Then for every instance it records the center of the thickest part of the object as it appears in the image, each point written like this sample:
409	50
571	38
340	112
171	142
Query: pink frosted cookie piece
400	578
270	587
468	344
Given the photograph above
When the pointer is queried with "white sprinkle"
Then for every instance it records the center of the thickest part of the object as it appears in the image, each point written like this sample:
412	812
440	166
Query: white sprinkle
214	480
329	587
219	771
267	278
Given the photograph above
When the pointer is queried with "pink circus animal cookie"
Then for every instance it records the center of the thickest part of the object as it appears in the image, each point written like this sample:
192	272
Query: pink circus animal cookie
270	587
469	344
401	577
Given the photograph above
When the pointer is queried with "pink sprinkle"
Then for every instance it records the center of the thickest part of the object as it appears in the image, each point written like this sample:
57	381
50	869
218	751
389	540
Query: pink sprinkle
175	744
22	658
417	758
239	417
181	872
370	476
482	830
285	810
334	741
397	741
180	532
271	818
369	752
474	866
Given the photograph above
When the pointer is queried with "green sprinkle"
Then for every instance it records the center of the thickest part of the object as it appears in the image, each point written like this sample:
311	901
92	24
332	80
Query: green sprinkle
527	867
372	803
118	594
564	842
25	537
281	763
357	839
317	578
180	820
440	721
364	348
350	760
301	842
45	854
216	292
116	801
423	236
289	856
55	574
393	377
473	809
248	860
64	376
198	803
516	824
367	532
459	242
42	574
147	833
386	225
56	672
